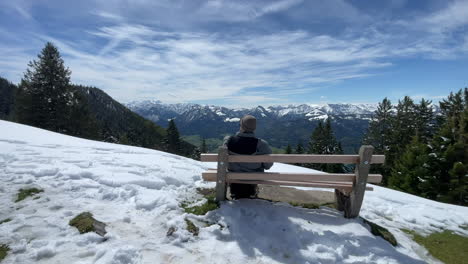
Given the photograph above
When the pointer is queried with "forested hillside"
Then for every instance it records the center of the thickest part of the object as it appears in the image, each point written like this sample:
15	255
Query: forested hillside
45	98
427	153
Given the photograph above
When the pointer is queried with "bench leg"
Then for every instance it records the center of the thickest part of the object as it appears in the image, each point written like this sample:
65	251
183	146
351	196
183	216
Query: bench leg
352	208
222	172
341	200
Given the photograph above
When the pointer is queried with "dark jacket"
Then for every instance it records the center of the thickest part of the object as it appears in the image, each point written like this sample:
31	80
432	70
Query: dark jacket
244	141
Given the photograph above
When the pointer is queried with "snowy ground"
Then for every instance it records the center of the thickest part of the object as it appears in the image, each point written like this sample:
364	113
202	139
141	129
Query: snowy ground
137	193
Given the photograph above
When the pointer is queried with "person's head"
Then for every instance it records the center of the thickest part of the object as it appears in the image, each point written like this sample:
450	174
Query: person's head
248	124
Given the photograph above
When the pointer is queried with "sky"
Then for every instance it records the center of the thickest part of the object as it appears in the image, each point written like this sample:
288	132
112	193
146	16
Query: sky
246	53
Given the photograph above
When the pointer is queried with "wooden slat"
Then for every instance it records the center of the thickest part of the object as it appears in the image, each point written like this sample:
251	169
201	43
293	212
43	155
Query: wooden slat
336	185
294	158
302	177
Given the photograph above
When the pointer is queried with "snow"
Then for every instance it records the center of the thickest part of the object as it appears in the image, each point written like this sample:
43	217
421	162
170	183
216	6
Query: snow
234	119
137	193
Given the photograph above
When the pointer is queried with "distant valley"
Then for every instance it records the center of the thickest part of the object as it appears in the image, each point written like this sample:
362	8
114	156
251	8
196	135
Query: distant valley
279	125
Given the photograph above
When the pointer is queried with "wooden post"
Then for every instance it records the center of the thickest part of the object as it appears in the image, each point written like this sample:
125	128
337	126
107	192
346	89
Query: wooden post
356	197
340	200
222	171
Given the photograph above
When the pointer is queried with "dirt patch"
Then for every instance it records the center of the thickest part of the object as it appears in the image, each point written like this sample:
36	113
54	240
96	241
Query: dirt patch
292	195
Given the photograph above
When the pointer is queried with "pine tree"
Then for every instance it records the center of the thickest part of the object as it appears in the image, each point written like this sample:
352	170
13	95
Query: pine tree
458	192
44	92
299	148
380	127
424	120
173	142
449	146
288	149
323	141
203	148
379	135
7	99
411	169
403	130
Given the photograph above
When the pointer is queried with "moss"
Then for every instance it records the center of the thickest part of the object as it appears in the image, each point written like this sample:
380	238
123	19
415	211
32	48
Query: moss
381	231
331	205
83	222
305	205
446	246
192	228
5	221
207	191
24	193
204	208
3	251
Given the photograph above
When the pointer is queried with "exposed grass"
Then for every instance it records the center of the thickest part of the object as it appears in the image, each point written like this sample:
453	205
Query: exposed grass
3	251
83	222
5	221
192	228
464	227
446	246
204	208
331	205
24	193
305	205
381	231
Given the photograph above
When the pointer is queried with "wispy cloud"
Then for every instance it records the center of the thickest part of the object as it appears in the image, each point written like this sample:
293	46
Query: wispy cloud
135	60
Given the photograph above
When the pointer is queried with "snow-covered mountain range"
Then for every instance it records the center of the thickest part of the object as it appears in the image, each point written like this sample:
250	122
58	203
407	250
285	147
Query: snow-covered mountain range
138	193
156	110
279	125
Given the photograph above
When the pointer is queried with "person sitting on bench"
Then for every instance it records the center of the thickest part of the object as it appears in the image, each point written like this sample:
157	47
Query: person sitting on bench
245	143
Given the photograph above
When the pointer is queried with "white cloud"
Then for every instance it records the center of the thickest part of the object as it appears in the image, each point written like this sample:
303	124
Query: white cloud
144	61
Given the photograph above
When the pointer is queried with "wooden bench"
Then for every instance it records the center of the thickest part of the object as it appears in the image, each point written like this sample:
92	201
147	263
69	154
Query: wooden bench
349	188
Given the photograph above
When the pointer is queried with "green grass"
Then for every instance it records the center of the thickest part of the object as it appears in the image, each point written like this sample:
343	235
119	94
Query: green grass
3	251
381	231
192	228
305	205
5	220
83	222
446	246
24	193
204	208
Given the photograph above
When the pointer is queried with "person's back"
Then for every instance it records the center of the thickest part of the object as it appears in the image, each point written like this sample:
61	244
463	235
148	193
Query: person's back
245	143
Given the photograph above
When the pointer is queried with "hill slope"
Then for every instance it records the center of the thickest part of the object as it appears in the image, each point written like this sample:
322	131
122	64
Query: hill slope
137	192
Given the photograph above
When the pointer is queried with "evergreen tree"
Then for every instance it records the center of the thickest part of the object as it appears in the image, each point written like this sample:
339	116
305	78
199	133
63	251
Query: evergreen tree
203	148
424	120
173	142
288	149
7	99
403	130
323	141
458	192
411	169
299	148
44	95
379	135
380	127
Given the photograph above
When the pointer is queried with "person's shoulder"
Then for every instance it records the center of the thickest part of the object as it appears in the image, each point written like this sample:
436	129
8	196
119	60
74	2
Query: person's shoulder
262	141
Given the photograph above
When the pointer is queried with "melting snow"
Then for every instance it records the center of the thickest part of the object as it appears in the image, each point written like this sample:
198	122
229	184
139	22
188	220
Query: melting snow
137	193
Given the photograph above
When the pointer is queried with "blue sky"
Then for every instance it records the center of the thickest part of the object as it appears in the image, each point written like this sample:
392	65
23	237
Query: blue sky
246	53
